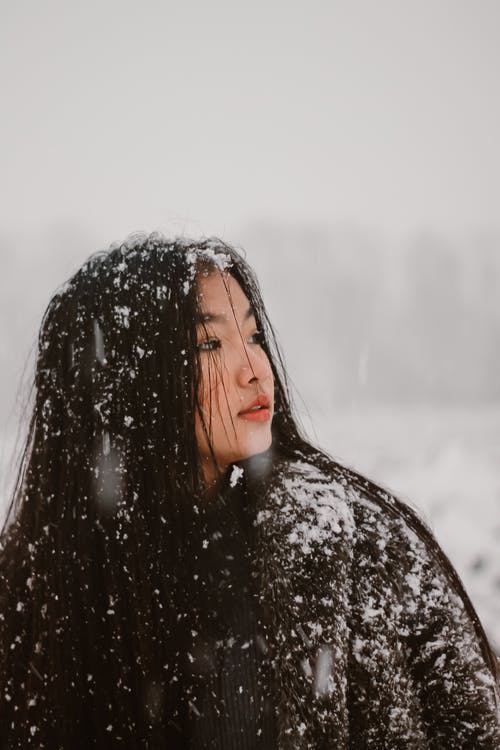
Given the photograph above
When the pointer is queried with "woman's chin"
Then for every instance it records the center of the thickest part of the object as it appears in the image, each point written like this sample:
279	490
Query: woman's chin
258	443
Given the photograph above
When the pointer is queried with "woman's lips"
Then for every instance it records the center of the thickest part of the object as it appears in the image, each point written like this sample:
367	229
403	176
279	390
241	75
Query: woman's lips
258	410
258	415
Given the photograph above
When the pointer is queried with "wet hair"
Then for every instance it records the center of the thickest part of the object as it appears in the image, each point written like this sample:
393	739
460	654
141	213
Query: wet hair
95	557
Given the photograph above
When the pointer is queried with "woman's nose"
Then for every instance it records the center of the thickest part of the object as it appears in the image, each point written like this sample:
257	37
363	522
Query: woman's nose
252	366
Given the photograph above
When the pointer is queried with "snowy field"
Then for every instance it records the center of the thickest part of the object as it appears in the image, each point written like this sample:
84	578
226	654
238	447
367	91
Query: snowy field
443	461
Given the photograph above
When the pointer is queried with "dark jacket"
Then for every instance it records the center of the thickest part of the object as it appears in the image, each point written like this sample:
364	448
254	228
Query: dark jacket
374	642
370	641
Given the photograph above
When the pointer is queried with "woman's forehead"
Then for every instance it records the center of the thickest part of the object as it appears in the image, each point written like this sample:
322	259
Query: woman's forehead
220	298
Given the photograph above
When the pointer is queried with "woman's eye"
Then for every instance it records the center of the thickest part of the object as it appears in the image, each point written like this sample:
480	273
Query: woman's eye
258	336
209	345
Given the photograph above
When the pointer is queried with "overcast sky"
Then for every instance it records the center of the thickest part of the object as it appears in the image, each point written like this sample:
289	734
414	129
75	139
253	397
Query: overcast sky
207	116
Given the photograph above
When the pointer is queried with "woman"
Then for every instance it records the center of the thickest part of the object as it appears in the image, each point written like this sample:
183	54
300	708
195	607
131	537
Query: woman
180	568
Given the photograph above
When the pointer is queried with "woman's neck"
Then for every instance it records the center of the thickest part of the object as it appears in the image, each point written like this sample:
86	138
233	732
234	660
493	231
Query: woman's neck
213	477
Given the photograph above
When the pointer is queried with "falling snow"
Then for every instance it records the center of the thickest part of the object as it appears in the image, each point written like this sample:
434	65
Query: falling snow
236	474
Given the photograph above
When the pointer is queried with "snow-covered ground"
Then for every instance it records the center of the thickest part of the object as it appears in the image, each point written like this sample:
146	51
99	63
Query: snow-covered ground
443	461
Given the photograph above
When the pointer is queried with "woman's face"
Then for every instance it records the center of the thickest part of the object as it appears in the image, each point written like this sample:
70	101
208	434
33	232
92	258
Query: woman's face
235	376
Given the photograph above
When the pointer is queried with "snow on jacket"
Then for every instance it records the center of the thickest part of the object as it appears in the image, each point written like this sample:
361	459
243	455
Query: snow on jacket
373	644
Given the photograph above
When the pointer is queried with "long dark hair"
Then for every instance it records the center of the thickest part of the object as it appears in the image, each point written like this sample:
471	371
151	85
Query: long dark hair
95	541
95	555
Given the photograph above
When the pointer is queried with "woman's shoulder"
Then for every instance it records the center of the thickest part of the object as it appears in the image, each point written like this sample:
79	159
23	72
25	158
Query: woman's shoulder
315	498
389	539
393	547
304	500
311	473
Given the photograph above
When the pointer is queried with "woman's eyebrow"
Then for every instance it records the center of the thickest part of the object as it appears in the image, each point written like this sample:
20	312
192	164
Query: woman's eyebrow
209	317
